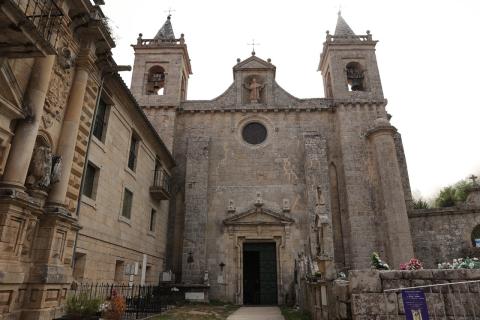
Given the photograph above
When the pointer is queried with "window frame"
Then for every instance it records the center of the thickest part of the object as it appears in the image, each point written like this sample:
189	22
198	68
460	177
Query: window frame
94	184
103	123
153	221
125	205
132	158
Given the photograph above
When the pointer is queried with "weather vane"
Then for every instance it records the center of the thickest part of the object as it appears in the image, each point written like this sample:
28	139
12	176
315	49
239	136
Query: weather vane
253	44
169	11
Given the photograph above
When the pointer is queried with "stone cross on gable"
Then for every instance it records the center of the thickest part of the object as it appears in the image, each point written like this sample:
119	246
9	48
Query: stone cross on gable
253	44
473	178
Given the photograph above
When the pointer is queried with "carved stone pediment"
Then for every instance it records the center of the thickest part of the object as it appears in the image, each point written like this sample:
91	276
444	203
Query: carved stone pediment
258	216
254	63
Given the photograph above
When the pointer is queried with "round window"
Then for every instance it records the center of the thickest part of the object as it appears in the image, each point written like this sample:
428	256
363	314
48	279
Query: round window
254	133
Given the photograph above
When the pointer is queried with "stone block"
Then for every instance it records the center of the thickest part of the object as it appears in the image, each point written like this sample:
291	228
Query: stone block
340	290
390	275
396	284
365	281
418	274
374	304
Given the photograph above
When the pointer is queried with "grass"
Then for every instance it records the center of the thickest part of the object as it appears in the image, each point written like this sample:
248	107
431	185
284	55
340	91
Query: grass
213	311
294	314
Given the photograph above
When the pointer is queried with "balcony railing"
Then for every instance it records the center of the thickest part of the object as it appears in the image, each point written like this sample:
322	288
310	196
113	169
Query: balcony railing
161	187
33	27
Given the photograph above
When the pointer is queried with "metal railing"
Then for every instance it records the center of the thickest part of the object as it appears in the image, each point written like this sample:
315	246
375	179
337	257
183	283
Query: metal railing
454	300
45	15
161	179
140	301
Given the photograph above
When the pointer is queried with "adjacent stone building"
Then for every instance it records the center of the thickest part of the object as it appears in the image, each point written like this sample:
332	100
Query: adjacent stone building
67	123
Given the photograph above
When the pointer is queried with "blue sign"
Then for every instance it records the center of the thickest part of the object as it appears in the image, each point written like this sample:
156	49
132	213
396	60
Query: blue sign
415	305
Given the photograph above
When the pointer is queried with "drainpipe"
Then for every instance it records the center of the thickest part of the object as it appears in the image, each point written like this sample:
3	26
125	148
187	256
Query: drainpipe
97	102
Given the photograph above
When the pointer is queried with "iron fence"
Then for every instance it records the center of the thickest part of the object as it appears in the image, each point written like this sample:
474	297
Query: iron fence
45	15
452	300
140	301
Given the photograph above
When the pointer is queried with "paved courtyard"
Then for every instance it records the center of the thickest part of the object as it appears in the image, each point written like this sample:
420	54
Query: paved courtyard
257	313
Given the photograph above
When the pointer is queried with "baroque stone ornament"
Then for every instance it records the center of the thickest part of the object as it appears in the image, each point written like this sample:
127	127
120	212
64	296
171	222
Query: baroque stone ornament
57	95
44	168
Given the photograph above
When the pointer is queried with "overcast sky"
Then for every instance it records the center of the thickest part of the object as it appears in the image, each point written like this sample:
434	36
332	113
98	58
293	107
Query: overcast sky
428	55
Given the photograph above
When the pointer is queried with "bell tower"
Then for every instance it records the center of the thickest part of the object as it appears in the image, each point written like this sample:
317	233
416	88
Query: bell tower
367	161
349	65
160	78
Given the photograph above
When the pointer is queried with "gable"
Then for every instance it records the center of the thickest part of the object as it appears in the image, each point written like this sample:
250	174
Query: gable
258	216
254	63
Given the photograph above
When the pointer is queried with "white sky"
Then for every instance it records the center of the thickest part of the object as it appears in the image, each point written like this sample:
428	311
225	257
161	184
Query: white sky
428	55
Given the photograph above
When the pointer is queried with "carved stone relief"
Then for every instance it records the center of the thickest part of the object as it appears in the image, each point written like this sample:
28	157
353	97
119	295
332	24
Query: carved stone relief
58	91
44	168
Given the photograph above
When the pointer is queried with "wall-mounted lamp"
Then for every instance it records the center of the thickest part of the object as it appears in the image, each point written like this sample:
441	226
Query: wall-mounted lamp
221	265
190	257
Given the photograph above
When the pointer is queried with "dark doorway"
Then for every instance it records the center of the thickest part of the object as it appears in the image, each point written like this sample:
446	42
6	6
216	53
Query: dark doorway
259	273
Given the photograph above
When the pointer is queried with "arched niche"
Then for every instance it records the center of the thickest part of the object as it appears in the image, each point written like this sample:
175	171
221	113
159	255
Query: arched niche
355	77
156	81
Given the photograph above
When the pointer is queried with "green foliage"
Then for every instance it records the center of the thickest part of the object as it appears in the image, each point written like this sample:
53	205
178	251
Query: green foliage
451	195
420	204
82	306
377	263
294	314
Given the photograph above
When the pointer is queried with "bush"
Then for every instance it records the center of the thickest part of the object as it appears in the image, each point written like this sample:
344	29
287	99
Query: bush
413	264
451	195
82	307
420	204
378	263
462	263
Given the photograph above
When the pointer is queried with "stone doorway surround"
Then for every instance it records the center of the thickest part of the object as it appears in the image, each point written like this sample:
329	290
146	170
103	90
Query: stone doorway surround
256	226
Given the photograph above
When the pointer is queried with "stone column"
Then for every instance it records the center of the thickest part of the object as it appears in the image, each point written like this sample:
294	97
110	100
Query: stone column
399	247
26	132
71	122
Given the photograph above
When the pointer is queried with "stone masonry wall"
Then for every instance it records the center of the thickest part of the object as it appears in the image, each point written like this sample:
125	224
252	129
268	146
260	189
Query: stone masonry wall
362	297
443	234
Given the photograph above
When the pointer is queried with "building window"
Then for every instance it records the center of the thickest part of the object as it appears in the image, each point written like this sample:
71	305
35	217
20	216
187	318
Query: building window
132	155
254	133
153	218
127	204
119	271
79	266
90	181
100	123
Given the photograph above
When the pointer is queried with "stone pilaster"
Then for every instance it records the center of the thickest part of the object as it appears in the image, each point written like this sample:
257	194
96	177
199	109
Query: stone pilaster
318	202
398	239
27	130
71	123
194	262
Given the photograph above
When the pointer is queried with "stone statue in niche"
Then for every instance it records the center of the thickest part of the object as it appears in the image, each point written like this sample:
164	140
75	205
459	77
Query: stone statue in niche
44	168
322	222
255	89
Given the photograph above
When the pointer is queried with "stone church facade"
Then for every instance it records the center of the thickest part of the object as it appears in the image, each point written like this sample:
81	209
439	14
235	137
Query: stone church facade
239	196
319	178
